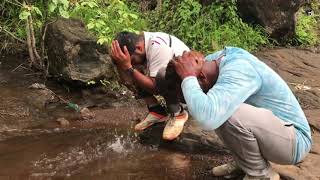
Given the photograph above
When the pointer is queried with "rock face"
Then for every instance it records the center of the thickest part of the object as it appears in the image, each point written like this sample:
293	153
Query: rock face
74	55
276	16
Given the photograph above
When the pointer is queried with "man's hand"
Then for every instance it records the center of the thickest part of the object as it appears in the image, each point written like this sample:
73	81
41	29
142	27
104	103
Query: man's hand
122	59
189	64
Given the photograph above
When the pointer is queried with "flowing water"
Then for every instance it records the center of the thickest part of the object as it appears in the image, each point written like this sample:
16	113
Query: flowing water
34	146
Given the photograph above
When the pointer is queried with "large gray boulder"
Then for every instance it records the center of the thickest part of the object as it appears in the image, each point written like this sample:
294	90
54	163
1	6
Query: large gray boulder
278	17
74	55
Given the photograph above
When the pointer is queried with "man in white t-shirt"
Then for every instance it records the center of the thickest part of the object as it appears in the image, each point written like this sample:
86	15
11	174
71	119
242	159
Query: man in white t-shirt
152	51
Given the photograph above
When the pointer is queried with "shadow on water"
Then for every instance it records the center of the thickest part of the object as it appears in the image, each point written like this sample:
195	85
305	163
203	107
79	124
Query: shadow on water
34	146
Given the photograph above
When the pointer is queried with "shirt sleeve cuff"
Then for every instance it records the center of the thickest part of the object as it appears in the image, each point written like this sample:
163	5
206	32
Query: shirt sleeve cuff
190	82
152	74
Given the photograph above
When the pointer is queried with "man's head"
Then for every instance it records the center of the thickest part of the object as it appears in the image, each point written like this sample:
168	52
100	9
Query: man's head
206	71
208	75
135	45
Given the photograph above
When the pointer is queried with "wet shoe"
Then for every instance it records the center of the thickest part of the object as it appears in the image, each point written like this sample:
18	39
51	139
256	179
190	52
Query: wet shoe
272	175
151	119
227	170
174	126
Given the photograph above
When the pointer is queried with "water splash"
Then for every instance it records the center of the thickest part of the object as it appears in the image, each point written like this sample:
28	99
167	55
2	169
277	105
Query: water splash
106	145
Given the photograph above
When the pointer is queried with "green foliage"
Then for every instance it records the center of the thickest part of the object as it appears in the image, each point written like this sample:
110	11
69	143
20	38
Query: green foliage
106	18
59	7
112	85
307	28
16	13
103	17
9	20
206	28
202	28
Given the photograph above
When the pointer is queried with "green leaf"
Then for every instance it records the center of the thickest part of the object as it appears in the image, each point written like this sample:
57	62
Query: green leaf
134	16
63	12
52	7
21	32
102	40
24	15
55	2
37	10
91	25
99	24
90	4
91	82
65	3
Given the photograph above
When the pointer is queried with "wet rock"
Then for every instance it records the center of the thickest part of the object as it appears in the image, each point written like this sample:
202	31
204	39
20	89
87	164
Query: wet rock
40	97
277	16
74	55
86	114
193	138
37	86
63	122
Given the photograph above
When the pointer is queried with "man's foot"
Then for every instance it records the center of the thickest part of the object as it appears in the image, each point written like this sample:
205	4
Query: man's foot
272	175
174	126
227	170
151	119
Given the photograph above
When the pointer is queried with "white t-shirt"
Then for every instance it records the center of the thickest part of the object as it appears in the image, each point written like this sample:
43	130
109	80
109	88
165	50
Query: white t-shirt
159	52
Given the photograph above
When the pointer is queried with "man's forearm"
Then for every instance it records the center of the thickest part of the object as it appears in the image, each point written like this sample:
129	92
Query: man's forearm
144	82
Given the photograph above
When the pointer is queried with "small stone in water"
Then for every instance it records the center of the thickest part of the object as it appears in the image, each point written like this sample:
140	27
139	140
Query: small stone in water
86	114
63	122
37	86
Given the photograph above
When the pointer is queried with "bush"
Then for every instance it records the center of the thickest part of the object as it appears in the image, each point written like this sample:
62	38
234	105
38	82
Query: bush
103	18
307	28
202	28
106	18
206	28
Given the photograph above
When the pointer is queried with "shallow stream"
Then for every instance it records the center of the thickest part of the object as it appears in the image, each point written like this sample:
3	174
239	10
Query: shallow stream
34	146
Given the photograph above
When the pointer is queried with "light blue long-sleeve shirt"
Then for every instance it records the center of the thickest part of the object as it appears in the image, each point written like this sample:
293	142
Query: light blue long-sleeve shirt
245	79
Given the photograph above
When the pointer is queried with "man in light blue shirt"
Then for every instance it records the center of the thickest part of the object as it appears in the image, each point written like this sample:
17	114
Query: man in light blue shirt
251	108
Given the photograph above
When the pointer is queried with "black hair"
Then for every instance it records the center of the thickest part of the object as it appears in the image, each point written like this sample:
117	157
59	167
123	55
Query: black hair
128	39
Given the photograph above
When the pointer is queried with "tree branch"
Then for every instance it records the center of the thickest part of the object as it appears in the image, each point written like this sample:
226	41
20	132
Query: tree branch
17	3
29	42
42	40
33	40
12	35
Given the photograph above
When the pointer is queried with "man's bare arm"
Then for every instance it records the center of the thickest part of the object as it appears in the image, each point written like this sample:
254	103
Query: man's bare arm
145	82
